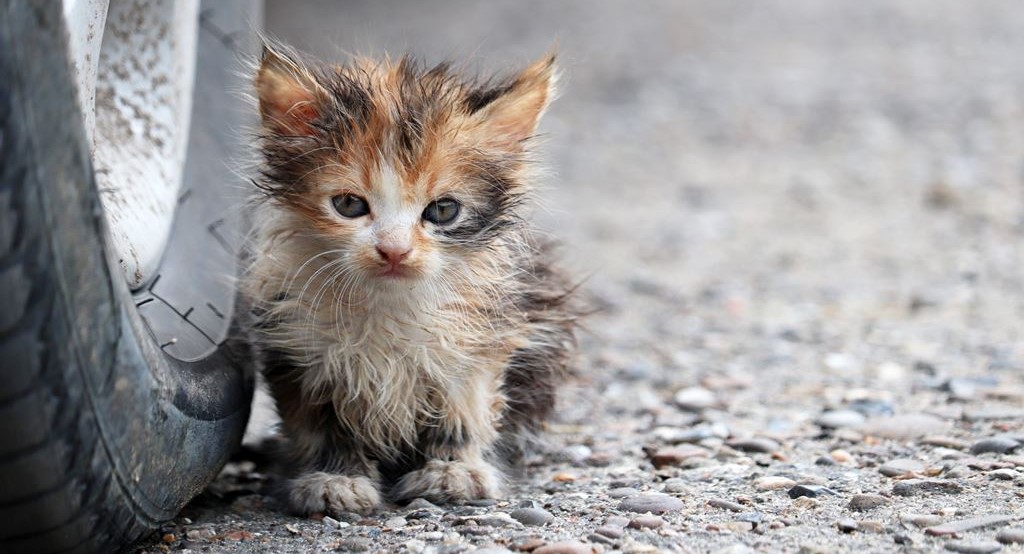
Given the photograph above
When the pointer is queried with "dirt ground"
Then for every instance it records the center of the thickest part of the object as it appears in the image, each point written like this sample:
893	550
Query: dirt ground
801	224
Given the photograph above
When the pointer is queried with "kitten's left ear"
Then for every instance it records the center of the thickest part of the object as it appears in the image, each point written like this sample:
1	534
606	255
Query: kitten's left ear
289	95
510	113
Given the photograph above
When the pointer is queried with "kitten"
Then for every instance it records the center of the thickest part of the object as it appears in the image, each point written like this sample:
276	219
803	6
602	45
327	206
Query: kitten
412	328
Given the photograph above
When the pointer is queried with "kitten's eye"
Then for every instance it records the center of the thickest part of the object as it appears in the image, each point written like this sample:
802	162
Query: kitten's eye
442	212
350	205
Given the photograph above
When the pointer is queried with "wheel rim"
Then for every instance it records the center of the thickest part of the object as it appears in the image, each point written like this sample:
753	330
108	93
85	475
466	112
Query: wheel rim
134	62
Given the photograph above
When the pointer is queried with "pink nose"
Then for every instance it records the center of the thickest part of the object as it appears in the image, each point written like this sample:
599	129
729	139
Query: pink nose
392	255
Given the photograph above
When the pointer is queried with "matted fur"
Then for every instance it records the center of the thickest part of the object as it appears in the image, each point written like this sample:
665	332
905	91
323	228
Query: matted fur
412	382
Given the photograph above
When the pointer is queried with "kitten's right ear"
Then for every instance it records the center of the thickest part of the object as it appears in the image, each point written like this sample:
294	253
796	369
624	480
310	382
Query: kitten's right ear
288	93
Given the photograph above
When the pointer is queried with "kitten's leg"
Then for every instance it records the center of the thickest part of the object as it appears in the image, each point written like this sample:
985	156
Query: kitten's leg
456	469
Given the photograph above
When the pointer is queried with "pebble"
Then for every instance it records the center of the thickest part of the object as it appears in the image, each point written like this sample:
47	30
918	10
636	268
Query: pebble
968	547
904	427
395	523
646	522
964	525
921	520
945	442
998	445
810	491
695	399
430	536
617	521
837	419
532	516
677	455
847	525
772	483
675	485
623	492
609	531
576	454
824	461
865	502
564	547
757	445
1005	474
656	503
901	466
841	456
1011	536
870	407
912	487
422	504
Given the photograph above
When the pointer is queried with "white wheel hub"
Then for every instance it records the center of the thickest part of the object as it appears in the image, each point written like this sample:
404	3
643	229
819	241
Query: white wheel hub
135	64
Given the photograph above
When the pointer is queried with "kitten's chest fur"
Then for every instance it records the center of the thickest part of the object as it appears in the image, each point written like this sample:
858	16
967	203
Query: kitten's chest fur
389	373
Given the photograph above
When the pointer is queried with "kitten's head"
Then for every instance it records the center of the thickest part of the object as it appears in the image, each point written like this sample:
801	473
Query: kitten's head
405	172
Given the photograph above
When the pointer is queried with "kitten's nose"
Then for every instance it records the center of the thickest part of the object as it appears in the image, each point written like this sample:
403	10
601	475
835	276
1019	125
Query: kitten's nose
393	255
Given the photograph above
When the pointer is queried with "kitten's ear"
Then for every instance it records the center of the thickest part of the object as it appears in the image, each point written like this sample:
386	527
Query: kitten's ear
510	113
288	93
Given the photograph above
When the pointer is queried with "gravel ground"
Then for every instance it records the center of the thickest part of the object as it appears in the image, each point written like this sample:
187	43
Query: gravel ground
802	226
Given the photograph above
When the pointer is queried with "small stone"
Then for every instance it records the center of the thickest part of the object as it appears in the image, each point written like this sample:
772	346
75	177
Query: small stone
901	466
921	520
837	419
847	525
395	523
168	538
1005	474
871	526
998	445
695	399
675	485
646	522
912	487
968	547
431	536
904	427
330	524
536	517
726	505
738	526
623	492
677	455
865	502
617	521
824	461
600	539
964	525
756	445
528	544
292	528
945	442
903	539
656	503
563	477
575	454
1011	536
810	491
609	531
422	504
771	483
496	519
841	456
565	547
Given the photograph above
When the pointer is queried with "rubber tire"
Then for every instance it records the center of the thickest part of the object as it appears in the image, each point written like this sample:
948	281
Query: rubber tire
103	436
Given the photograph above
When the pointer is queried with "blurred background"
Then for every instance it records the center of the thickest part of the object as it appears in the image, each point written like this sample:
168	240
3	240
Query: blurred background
800	226
741	177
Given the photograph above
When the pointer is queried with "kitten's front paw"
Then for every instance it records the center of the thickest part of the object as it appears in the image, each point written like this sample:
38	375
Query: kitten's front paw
458	481
332	494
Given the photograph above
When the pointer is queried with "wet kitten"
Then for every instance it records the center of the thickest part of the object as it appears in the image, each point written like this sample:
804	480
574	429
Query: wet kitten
413	330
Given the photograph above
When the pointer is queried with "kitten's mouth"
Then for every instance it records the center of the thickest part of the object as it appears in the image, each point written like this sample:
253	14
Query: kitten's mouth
396	272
